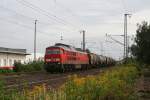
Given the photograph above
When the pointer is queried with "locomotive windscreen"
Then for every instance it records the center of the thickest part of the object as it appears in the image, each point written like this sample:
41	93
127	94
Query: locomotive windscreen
54	51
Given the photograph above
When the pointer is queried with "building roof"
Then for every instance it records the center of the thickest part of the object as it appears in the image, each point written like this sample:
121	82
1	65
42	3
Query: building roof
13	51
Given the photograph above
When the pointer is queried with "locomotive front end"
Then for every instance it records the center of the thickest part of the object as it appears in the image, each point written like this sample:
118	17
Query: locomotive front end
53	55
53	58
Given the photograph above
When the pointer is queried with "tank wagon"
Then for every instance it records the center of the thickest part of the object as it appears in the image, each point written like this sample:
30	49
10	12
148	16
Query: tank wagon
62	57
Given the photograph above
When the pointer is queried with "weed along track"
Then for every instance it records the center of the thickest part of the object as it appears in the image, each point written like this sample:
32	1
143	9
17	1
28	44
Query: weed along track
50	80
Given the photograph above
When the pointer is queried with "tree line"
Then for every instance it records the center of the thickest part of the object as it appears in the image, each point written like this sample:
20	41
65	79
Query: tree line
141	48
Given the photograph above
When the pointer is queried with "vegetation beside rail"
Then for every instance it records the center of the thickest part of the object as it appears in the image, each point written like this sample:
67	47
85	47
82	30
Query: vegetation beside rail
6	71
29	67
116	84
32	66
113	84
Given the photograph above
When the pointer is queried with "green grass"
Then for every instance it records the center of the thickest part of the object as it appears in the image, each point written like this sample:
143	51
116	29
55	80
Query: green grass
6	71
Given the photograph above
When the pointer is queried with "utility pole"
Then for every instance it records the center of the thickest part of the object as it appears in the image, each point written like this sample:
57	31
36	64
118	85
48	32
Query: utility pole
102	49
128	45
83	32
81	45
35	41
61	38
125	44
83	40
126	36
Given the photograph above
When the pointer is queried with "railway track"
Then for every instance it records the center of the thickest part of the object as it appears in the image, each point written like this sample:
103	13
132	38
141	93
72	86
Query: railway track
18	73
51	80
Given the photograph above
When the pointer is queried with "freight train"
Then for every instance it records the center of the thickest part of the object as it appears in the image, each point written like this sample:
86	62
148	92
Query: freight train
62	57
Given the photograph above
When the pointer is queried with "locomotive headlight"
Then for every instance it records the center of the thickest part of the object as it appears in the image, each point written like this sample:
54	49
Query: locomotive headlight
57	59
53	59
48	59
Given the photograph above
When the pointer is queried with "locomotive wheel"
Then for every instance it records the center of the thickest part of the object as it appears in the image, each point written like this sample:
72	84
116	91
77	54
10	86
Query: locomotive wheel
51	68
48	68
61	68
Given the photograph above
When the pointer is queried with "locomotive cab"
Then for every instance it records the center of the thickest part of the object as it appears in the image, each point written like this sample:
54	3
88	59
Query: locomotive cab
53	59
53	55
62	57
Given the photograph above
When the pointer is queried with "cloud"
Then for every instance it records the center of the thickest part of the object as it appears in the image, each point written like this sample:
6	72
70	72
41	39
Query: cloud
97	17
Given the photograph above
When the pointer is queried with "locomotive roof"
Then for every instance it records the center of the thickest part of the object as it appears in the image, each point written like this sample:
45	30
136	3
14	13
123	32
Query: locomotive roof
68	47
61	44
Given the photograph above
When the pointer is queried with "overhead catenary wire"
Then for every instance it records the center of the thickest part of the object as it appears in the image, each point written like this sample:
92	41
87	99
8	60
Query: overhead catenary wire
39	11
44	12
22	25
39	21
46	35
31	19
68	11
10	10
24	16
27	27
35	8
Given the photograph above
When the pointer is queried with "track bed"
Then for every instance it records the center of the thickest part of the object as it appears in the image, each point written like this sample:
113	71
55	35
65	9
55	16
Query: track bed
51	80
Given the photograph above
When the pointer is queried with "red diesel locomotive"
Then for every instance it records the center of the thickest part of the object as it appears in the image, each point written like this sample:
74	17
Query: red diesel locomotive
62	57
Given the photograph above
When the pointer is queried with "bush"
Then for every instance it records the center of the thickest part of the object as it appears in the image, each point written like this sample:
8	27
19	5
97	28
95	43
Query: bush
29	67
112	85
6	71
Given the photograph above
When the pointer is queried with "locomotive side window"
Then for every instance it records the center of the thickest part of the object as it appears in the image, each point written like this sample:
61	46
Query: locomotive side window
54	51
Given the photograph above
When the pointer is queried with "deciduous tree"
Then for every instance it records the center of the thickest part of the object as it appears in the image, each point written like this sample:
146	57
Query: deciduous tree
141	49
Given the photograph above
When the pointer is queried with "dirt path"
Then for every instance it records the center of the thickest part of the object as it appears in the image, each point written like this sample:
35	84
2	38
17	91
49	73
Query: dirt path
143	85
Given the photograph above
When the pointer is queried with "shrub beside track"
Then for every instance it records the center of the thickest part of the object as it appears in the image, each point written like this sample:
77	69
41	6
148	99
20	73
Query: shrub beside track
29	67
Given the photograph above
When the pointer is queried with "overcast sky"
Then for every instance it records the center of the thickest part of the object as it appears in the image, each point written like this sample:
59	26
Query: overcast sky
69	17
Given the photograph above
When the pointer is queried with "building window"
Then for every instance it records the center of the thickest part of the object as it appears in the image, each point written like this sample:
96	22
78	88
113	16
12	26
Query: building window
5	62
15	61
19	61
10	62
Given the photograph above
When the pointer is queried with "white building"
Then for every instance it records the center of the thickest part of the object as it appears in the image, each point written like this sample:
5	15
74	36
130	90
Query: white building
8	56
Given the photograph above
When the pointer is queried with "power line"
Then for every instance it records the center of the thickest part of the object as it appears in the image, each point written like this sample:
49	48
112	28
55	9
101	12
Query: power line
39	21
49	15
10	10
29	18
37	10
69	11
27	27
22	25
55	18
